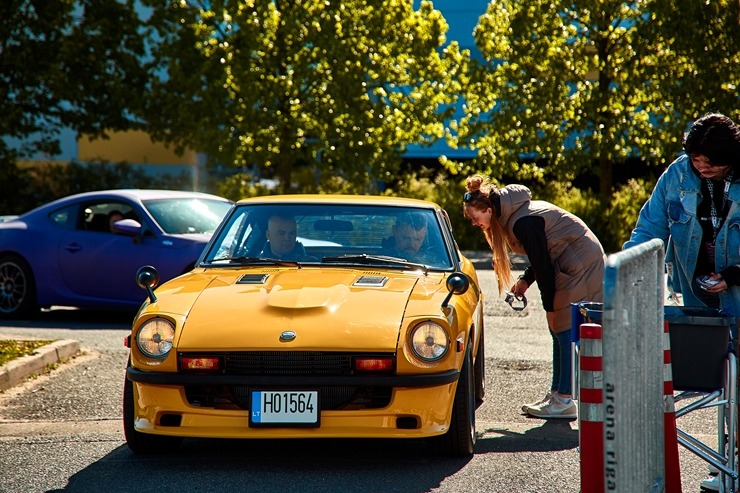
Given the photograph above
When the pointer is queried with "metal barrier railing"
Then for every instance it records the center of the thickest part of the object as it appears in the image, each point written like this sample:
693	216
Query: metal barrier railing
633	332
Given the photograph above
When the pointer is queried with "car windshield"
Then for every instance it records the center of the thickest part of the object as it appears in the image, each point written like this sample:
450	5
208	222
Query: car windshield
331	234
187	215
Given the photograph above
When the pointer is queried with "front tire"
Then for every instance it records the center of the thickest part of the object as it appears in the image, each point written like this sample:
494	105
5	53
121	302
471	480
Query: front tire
142	443
17	288
459	441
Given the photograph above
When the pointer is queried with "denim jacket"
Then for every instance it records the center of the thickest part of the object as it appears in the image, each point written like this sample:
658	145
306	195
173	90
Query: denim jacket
670	214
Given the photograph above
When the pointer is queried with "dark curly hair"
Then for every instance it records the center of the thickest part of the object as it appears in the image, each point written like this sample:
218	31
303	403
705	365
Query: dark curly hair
715	136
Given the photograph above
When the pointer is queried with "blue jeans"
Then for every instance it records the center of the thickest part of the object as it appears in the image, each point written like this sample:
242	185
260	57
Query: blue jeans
561	362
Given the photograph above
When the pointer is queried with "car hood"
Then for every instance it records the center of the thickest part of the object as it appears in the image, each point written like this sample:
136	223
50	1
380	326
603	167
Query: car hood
327	309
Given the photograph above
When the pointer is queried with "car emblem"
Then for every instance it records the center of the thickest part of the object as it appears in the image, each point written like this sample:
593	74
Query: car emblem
287	336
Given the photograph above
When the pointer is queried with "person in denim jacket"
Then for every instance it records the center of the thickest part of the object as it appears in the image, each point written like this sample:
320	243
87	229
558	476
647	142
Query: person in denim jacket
695	210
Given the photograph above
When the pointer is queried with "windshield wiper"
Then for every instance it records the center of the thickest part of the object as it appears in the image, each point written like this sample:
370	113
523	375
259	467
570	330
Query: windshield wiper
258	260
374	259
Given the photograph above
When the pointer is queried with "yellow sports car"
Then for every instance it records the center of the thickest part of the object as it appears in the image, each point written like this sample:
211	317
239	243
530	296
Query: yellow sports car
312	316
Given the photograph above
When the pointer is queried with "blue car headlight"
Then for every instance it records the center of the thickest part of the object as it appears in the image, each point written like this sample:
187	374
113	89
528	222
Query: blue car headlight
429	341
155	337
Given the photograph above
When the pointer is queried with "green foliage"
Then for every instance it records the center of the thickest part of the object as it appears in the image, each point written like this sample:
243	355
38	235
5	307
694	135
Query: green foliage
67	64
611	224
240	186
583	203
624	209
343	84
37	185
16	192
699	49
579	87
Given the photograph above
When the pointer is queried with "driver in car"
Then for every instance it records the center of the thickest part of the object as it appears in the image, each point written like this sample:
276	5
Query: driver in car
409	233
281	239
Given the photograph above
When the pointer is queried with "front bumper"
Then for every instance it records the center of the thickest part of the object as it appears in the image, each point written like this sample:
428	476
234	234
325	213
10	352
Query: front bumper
425	380
418	406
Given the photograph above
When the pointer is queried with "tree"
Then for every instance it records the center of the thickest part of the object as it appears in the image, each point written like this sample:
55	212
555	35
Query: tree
575	86
699	47
66	64
343	86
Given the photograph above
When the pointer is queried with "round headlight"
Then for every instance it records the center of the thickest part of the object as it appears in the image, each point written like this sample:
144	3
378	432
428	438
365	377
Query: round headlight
429	341
155	337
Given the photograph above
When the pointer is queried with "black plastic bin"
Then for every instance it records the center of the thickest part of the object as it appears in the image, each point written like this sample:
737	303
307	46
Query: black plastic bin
700	341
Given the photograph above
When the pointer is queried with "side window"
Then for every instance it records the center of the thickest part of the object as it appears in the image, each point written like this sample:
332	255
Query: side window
64	218
100	216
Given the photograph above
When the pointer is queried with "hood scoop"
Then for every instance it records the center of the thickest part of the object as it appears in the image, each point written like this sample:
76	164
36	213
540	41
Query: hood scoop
371	281
253	279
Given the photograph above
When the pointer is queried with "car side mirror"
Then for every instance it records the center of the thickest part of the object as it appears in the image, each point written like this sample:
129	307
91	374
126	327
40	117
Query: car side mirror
128	226
147	278
458	283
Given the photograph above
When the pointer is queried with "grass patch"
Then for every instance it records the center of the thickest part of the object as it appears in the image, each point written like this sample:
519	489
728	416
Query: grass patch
10	349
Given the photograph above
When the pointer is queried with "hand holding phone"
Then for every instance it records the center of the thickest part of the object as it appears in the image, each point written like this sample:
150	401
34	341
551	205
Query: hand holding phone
705	282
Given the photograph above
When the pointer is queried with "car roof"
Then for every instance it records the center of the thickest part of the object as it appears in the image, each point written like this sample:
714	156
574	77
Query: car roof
134	194
144	194
340	199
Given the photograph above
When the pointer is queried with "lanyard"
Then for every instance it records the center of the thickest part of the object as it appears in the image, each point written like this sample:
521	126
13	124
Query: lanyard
716	219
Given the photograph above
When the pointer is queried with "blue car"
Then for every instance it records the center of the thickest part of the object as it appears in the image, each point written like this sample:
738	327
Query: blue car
84	250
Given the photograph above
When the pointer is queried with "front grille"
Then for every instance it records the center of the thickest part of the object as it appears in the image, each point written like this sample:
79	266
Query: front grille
288	363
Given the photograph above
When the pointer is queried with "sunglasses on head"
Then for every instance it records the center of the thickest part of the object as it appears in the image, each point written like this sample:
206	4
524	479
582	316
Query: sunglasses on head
468	196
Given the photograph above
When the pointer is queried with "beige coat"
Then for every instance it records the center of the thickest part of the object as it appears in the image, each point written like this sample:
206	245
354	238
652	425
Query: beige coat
576	254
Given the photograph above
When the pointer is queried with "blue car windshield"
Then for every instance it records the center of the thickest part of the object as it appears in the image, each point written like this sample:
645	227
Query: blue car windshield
187	215
332	234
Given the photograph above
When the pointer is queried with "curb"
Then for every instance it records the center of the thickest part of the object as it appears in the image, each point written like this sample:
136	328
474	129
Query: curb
18	370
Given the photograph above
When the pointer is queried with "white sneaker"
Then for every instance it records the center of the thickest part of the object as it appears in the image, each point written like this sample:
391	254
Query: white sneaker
548	395
556	407
712	484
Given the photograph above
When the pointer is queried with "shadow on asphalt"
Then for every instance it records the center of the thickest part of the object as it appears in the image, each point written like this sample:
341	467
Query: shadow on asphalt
552	436
331	465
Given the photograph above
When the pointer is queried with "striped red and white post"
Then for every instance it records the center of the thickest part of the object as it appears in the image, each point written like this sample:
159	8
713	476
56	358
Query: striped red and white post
591	408
672	464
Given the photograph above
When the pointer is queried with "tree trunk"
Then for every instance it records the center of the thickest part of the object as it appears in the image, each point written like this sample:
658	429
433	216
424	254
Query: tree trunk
605	180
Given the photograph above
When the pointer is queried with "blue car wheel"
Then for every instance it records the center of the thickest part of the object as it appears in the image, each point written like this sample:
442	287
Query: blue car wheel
17	288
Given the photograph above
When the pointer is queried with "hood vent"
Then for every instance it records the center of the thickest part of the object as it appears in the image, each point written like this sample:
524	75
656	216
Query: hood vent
373	281
253	279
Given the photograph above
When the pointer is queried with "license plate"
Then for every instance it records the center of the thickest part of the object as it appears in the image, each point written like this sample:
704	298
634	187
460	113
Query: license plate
284	408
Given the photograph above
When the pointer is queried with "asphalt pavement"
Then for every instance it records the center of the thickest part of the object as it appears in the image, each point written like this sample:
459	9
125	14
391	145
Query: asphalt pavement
62	431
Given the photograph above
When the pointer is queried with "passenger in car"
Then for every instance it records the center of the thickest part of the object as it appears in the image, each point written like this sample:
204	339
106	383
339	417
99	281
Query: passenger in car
113	216
409	233
281	239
